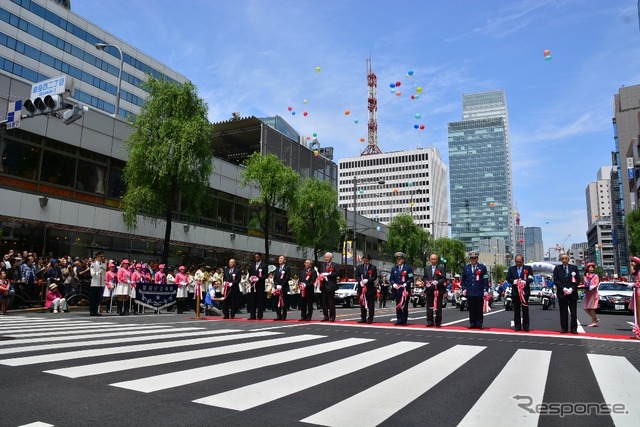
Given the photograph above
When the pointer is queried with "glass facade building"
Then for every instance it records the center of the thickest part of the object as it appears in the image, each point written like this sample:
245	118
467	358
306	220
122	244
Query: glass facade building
480	172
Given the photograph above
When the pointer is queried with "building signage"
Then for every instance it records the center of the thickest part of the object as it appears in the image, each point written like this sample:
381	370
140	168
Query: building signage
55	86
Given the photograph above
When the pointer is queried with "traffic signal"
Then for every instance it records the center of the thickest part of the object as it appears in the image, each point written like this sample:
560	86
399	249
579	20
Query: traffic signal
75	113
46	105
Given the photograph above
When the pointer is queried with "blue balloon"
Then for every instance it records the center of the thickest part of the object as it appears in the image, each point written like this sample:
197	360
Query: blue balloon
378	228
293	113
410	73
392	85
416	126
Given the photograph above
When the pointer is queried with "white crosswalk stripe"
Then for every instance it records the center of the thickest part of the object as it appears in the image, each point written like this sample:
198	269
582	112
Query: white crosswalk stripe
527	372
190	376
619	383
280	348
261	393
403	386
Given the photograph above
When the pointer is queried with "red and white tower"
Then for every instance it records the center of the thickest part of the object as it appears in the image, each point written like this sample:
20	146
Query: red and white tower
372	105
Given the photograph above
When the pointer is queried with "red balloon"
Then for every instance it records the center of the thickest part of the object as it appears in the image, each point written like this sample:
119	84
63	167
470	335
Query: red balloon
413	97
398	84
305	114
421	127
289	108
546	52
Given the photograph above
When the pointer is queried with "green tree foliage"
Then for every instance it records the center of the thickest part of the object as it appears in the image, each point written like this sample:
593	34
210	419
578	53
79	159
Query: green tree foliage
169	156
315	218
453	250
405	236
633	227
277	184
499	273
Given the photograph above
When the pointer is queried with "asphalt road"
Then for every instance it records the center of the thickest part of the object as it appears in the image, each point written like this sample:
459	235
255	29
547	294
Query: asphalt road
169	370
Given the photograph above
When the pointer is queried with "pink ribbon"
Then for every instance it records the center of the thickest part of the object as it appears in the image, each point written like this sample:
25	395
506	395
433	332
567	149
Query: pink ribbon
303	290
403	300
363	297
225	289
523	300
485	307
253	280
436	294
280	299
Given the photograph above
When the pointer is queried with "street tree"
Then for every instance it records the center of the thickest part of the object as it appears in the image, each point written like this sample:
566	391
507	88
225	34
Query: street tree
277	184
315	218
169	156
452	250
404	236
633	227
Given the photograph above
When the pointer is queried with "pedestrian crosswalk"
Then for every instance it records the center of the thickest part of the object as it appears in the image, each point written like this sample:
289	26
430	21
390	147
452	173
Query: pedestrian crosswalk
239	370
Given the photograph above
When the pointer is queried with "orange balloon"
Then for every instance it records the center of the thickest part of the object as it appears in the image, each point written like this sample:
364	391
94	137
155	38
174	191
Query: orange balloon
546	52
361	139
395	190
347	112
398	93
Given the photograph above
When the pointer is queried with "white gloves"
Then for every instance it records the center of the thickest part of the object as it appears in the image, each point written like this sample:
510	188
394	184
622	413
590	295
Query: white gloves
434	282
464	292
278	287
592	287
567	291
395	286
486	293
364	281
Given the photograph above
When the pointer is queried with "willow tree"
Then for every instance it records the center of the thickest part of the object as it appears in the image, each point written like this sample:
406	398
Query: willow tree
405	236
277	184
169	156
314	217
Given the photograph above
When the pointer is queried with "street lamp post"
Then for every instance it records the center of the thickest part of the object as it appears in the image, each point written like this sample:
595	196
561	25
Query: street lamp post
102	46
355	214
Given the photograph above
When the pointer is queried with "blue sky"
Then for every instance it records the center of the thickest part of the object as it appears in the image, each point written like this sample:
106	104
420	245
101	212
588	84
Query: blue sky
259	57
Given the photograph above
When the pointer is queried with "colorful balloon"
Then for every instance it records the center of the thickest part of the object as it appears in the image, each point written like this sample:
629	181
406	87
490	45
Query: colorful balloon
417	97
546	52
398	93
304	101
392	85
355	121
305	114
317	69
413	97
308	138
316	153
315	134
419	89
410	73
421	127
347	112
398	83
547	58
293	113
289	108
392	90
418	116
416	126
361	139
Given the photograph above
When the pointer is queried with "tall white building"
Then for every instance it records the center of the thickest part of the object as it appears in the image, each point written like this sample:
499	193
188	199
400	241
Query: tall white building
388	184
600	245
598	196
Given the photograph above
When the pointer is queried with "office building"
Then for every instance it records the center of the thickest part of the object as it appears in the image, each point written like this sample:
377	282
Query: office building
480	172
599	228
518	231
61	186
533	245
388	184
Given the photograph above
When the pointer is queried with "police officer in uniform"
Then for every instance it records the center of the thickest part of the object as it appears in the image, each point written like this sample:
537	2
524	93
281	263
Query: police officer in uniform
366	276
401	279
475	285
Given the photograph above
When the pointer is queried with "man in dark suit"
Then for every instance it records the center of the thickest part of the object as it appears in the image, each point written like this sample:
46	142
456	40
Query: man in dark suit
281	282
475	286
231	288
257	275
401	279
434	281
366	276
519	277
329	270
566	278
308	278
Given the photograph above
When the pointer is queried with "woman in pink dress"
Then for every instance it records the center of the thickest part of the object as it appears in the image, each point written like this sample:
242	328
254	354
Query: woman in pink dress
591	282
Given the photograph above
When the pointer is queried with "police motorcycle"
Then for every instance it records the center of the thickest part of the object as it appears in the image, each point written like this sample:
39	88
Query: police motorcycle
463	301
418	295
548	297
508	300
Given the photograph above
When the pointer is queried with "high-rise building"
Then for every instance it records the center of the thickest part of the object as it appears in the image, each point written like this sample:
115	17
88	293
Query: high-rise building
480	172
624	185
388	184
518	231
599	234
533	245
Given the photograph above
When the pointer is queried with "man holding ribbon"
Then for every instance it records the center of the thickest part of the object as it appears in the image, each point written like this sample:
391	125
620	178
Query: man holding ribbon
434	281
230	289
328	278
566	278
520	276
281	282
366	276
257	275
308	278
475	286
401	279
